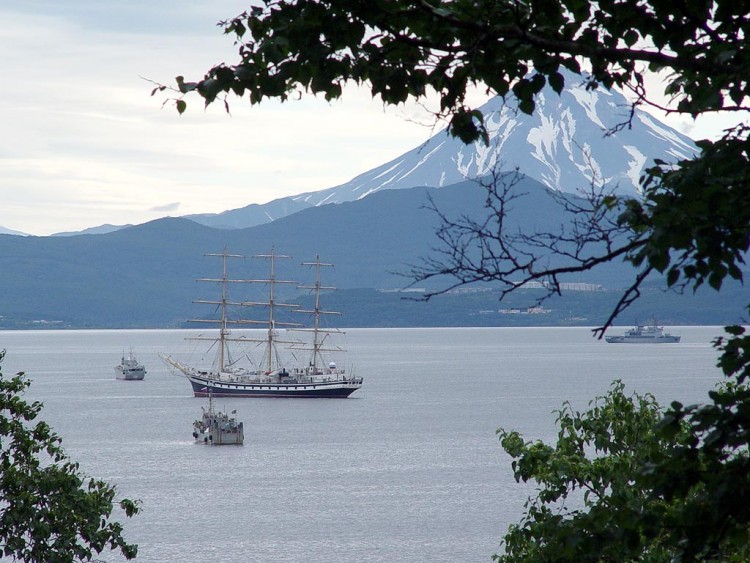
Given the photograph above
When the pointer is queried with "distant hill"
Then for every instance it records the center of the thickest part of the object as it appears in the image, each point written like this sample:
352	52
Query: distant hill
144	276
100	230
250	215
371	308
4	231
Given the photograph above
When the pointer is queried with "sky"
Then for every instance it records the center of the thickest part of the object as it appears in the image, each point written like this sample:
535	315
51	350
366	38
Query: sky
84	143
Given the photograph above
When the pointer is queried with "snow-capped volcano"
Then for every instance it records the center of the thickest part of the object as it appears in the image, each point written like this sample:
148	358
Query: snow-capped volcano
564	145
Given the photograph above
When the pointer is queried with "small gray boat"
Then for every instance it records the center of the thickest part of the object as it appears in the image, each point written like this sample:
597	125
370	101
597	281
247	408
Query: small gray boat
644	334
216	428
129	368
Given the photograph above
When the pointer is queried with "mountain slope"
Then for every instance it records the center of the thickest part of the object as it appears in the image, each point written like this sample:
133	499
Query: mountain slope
250	215
99	230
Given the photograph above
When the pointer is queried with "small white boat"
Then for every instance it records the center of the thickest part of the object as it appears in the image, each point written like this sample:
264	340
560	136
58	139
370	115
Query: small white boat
644	334
216	428
129	368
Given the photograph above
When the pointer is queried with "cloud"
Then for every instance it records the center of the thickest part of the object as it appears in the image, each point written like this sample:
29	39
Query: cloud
167	208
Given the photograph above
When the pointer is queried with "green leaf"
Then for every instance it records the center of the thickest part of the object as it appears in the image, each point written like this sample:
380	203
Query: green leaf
527	106
631	37
556	82
672	276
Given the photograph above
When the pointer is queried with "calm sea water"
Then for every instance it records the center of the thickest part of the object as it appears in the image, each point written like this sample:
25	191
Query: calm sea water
407	469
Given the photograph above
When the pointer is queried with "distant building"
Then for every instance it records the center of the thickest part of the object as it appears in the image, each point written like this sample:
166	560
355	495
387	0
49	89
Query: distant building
405	290
580	286
566	286
538	310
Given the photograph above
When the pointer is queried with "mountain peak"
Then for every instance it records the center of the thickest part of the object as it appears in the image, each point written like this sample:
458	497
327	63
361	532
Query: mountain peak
565	145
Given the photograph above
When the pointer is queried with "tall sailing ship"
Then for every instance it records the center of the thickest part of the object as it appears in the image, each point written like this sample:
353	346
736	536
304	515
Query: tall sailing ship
276	373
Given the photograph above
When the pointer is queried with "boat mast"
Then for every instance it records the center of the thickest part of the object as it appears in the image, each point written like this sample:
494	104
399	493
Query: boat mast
317	341
271	306
272	339
223	330
223	321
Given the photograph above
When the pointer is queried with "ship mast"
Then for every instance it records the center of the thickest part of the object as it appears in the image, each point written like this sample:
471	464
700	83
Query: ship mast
224	321
271	360
319	334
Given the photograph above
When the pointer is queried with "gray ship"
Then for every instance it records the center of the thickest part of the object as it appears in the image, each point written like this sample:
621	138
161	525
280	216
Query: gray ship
644	334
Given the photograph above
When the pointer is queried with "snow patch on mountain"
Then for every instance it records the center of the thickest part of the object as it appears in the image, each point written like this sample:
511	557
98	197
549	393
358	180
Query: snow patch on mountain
544	141
567	130
636	163
388	170
500	127
670	135
486	155
386	181
424	159
588	100
464	168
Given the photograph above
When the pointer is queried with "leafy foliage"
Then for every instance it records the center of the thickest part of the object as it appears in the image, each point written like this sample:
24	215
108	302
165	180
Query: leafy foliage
404	49
708	198
591	468
627	481
707	477
49	511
